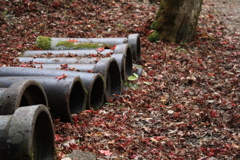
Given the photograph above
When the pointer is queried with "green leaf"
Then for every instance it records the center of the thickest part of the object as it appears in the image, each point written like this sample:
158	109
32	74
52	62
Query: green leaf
109	103
132	78
120	106
147	83
135	75
137	65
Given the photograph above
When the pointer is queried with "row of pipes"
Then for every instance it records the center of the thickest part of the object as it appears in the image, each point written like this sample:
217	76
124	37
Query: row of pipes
57	83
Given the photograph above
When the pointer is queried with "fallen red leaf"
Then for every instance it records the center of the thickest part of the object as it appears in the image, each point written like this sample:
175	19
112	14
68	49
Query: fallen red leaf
57	137
40	66
114	47
213	113
105	152
26	65
73	146
100	49
210	74
72	40
64	66
90	71
61	77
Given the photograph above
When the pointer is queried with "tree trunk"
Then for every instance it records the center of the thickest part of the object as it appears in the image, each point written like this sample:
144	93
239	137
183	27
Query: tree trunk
176	20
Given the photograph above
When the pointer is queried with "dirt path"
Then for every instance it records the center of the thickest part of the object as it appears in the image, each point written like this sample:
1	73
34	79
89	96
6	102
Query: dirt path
225	13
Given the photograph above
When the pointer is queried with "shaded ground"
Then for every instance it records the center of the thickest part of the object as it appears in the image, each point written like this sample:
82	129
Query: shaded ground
226	12
186	104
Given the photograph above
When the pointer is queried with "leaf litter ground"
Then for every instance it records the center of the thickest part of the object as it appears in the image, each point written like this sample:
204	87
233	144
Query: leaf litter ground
185	105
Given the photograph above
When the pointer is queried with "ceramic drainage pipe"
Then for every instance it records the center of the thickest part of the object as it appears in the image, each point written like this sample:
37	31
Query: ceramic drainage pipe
124	66
21	93
108	67
133	40
139	69
27	134
93	82
80	67
122	53
78	63
65	97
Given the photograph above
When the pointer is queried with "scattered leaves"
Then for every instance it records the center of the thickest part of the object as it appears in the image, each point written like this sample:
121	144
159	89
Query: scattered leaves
197	82
100	49
61	77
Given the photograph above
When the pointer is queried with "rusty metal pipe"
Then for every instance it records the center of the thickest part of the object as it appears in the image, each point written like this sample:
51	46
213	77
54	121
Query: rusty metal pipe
27	134
21	93
65	97
133	40
93	82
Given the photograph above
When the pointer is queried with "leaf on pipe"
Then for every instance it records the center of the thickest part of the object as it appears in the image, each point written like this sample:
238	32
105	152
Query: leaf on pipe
61	77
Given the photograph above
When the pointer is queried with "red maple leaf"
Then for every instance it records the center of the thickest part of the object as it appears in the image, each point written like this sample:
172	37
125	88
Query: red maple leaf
109	54
105	152
213	113
73	146
64	65
26	65
93	55
72	40
100	49
97	59
61	77
90	71
112	48
57	137
210	74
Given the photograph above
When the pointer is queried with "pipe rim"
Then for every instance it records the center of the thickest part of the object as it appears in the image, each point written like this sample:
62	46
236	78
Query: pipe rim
22	93
134	41
115	78
108	67
98	89
31	133
129	62
127	51
78	98
121	60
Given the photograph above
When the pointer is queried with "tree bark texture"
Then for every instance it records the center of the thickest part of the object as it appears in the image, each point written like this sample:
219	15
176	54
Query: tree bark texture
176	20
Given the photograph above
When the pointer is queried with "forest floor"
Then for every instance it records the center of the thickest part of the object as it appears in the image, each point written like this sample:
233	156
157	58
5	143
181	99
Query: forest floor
185	105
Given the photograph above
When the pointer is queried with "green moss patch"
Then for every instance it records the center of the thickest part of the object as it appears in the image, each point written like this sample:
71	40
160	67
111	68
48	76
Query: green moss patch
154	37
43	42
74	45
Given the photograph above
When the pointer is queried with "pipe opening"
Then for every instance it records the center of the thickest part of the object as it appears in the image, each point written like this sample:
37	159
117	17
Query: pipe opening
77	100
129	63
24	101
43	138
33	95
113	84
138	50
134	41
97	93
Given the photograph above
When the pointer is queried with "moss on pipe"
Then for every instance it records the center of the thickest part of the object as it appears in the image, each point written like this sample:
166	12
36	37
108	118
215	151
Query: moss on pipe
69	44
43	42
